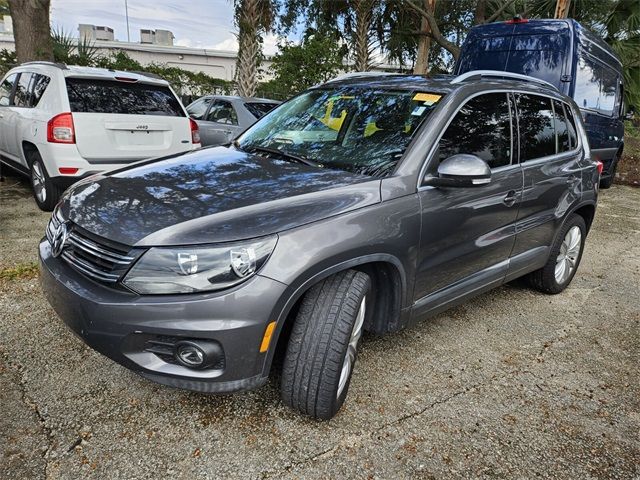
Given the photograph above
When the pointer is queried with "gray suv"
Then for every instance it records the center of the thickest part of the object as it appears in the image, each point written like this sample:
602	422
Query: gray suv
364	204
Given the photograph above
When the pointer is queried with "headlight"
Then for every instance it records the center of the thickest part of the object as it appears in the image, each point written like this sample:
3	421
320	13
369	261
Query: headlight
198	268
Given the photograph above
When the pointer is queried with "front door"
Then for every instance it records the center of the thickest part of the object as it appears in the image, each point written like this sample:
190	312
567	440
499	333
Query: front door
468	232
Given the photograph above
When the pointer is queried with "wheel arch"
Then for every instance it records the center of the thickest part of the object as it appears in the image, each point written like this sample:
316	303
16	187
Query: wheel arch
383	269
587	211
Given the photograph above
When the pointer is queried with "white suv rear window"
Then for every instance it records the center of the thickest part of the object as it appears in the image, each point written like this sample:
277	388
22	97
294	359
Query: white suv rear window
106	96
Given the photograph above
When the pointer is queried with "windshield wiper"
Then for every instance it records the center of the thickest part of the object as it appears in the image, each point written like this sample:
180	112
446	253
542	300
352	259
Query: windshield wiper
284	155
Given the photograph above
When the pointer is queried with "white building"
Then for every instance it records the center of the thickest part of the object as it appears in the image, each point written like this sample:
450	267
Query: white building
91	33
6	24
156	46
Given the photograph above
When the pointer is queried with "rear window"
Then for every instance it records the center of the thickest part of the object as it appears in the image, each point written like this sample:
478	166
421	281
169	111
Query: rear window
106	96
259	109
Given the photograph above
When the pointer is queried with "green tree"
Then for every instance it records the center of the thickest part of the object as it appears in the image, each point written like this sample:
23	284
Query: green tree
254	18
316	59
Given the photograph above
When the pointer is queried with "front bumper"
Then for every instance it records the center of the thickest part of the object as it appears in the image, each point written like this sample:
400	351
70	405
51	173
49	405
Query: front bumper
120	324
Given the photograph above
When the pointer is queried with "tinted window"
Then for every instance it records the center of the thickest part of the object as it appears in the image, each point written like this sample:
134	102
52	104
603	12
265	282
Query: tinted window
483	128
222	112
105	96
40	83
6	88
536	120
21	98
562	131
259	109
198	108
571	125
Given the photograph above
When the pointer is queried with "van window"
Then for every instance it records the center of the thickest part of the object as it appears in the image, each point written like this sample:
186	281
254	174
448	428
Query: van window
21	98
6	88
40	84
596	85
536	120
483	128
562	131
107	96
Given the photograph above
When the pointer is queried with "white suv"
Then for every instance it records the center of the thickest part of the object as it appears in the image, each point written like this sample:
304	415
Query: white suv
61	123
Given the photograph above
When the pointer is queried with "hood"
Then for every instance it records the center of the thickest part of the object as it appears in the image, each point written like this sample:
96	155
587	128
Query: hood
212	195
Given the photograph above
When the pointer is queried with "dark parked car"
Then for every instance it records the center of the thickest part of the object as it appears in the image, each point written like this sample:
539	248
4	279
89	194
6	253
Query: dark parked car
222	118
362	204
567	55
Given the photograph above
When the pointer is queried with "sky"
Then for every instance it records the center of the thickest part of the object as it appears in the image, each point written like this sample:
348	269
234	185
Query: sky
194	23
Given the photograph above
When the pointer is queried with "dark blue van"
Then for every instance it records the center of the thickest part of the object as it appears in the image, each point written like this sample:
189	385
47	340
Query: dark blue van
567	55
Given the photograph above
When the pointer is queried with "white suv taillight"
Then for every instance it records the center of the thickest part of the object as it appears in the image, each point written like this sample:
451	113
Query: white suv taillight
195	131
60	129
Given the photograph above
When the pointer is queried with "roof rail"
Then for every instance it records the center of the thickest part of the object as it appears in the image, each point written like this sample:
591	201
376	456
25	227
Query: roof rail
44	62
500	74
361	74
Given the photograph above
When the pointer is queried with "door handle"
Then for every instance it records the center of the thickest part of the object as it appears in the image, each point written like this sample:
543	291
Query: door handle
510	198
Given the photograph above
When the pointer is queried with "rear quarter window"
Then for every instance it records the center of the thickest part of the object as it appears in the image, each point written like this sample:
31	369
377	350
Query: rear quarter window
40	84
107	96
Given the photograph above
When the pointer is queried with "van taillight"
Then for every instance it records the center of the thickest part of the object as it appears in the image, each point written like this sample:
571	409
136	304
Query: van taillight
60	129
195	131
599	166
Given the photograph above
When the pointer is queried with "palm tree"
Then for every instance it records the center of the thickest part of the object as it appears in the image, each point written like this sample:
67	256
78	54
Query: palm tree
253	18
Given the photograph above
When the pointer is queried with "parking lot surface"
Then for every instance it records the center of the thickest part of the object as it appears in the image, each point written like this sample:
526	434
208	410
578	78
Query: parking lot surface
513	384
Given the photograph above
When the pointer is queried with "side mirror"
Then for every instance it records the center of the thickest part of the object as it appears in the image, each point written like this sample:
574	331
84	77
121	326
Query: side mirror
4	101
461	170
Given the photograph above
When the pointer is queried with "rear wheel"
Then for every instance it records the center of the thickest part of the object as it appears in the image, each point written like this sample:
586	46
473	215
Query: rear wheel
607	182
45	193
564	259
322	349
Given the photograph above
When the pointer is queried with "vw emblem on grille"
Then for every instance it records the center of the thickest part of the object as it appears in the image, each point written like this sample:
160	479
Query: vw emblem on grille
59	239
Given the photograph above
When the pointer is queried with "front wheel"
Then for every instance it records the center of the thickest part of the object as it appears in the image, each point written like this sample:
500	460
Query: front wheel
323	345
566	253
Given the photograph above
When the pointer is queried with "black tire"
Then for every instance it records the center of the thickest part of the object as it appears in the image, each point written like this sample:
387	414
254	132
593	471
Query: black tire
544	279
45	192
608	181
319	343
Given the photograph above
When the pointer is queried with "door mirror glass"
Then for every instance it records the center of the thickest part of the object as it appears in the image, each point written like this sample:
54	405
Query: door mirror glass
460	170
4	101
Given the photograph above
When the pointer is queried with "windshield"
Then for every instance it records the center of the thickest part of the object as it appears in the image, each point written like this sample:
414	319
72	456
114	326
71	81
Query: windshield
360	130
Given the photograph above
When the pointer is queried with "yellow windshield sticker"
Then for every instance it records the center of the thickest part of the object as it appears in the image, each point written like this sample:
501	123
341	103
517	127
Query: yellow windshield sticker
431	98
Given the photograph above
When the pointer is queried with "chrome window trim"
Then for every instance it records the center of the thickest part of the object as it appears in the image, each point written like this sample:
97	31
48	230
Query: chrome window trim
429	155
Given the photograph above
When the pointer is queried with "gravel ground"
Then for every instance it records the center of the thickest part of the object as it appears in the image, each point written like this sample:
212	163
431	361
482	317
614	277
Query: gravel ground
513	384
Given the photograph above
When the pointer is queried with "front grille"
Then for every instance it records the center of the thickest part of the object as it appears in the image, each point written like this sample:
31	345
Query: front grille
92	256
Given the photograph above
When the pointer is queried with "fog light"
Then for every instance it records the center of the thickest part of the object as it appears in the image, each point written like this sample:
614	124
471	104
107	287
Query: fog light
190	355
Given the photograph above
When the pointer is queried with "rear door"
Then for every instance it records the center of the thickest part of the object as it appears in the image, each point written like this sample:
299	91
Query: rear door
123	121
220	124
550	160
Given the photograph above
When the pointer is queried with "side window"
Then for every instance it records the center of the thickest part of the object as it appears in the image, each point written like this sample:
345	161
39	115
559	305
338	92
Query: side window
482	127
562	130
596	86
40	84
571	125
198	108
22	95
6	88
222	112
587	88
536	120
